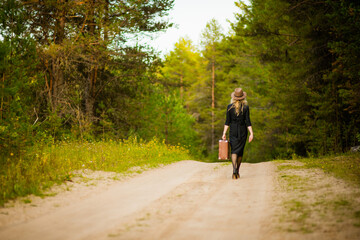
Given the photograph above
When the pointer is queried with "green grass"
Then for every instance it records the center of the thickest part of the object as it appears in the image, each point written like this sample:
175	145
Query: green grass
309	200
43	166
26	201
346	166
286	167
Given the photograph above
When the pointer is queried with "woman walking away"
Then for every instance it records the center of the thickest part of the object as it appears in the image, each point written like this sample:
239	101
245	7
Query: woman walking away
238	119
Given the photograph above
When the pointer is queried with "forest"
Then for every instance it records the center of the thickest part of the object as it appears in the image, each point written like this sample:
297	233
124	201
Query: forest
73	71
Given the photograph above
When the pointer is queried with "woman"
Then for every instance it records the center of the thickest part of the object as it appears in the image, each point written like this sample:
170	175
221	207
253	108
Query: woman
238	119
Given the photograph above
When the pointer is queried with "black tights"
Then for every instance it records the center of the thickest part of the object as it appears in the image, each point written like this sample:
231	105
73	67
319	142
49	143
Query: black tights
236	162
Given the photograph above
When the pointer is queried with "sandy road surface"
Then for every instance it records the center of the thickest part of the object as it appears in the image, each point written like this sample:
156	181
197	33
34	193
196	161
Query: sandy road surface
185	200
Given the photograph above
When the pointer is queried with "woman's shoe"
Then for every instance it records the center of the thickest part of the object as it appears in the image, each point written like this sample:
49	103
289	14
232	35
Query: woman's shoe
234	176
237	175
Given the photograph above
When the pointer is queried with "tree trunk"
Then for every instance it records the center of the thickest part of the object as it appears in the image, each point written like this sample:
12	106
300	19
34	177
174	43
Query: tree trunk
213	107
92	75
58	81
89	107
60	23
2	96
106	35
57	72
166	123
90	93
181	87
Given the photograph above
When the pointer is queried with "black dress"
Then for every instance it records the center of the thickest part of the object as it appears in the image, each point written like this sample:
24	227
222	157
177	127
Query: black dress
238	128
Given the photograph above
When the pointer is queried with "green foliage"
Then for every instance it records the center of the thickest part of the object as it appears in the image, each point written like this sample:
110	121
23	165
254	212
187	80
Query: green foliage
181	67
164	117
302	87
19	81
297	62
68	70
211	36
44	165
180	77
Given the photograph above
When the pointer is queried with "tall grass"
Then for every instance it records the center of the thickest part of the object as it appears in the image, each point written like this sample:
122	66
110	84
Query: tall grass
43	166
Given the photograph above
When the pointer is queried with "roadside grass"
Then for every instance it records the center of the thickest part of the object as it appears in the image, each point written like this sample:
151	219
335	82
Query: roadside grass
43	166
297	211
300	212
313	201
345	166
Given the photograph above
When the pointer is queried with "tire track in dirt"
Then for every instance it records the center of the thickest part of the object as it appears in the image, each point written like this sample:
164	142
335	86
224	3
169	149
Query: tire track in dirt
212	206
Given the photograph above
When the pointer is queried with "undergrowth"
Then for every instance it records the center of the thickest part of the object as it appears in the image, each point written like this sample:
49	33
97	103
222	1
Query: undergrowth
43	166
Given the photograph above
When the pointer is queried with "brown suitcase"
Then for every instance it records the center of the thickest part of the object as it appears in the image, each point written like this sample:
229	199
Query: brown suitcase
223	150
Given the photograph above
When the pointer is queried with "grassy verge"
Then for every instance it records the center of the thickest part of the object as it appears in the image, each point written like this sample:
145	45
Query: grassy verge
313	202
346	166
43	166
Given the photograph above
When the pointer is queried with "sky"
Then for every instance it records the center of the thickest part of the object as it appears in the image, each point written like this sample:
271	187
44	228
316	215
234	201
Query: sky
190	18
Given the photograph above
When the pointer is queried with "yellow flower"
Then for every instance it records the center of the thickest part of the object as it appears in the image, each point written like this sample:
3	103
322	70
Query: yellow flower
11	154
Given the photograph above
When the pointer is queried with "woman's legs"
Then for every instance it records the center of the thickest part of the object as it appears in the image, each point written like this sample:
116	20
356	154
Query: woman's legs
234	162
238	163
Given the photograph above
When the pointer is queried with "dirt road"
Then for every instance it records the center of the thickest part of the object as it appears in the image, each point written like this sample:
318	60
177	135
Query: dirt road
185	200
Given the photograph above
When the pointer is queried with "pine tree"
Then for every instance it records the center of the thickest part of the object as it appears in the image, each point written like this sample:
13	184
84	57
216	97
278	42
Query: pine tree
211	37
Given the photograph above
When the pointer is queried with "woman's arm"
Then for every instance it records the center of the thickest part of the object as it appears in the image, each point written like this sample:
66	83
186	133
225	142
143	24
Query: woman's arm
251	134
224	133
248	124
227	123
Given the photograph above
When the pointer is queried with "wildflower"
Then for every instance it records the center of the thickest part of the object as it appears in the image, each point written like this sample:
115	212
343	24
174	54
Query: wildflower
11	154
